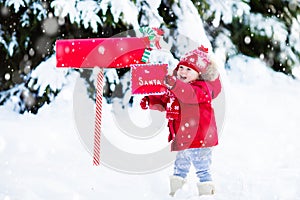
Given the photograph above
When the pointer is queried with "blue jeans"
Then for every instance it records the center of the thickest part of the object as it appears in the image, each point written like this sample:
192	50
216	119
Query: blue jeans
201	159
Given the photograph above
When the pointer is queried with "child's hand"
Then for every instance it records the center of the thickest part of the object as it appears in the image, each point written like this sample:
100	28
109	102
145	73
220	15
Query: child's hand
144	103
170	81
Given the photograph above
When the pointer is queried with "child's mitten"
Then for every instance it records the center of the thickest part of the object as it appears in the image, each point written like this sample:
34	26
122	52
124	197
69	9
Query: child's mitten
170	81
144	103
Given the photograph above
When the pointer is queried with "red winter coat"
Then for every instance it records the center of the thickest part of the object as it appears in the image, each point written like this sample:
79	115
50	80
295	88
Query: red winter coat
189	111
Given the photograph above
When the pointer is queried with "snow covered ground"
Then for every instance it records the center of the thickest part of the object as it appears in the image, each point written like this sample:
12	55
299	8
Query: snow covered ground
42	156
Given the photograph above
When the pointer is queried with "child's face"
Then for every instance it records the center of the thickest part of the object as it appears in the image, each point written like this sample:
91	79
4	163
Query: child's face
187	74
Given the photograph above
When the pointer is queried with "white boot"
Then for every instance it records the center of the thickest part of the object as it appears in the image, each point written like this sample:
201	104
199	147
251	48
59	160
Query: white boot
206	188
176	183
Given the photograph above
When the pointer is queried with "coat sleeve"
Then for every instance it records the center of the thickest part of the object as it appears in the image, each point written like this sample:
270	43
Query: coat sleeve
192	94
215	87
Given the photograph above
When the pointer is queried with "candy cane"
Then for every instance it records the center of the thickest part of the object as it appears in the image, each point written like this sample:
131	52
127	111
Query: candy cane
98	121
153	35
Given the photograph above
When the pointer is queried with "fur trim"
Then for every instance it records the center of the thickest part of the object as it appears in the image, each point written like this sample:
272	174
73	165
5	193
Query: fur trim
211	73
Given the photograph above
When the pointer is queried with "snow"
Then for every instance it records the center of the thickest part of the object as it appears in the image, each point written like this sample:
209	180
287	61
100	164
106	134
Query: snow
38	9
277	30
65	8
48	155
151	10
187	15
43	157
46	74
124	8
16	3
227	10
88	11
12	44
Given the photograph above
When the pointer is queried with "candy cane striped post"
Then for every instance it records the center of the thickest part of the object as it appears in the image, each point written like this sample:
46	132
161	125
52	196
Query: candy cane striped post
98	121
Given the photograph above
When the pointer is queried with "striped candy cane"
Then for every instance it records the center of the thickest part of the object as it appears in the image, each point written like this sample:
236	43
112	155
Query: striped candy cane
98	121
146	55
153	36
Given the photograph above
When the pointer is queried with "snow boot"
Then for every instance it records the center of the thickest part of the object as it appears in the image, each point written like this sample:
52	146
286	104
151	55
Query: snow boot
206	188
176	183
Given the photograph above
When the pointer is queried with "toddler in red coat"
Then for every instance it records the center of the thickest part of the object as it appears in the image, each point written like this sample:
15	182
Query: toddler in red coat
191	120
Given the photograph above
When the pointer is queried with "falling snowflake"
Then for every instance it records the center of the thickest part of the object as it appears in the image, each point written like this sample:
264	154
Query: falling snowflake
7	76
247	40
31	52
50	26
101	49
67	49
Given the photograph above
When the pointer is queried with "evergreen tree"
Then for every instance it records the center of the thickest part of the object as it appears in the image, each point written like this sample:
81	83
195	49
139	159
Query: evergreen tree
267	29
28	31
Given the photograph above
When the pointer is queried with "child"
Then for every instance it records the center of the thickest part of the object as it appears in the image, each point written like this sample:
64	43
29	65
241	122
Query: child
191	120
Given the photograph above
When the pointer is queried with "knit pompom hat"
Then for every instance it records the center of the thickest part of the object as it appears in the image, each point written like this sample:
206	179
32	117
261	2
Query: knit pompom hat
202	62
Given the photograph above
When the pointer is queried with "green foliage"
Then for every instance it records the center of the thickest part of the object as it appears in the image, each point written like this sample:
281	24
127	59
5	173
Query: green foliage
166	12
33	44
258	42
260	46
202	7
22	51
268	45
25	41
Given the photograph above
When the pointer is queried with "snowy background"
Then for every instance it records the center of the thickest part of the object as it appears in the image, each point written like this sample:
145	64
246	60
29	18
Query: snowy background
43	157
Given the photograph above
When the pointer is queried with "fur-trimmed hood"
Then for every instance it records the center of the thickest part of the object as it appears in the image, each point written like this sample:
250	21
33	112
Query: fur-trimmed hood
211	72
